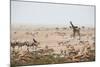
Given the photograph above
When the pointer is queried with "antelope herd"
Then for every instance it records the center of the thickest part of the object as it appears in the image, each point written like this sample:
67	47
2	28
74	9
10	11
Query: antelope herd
57	45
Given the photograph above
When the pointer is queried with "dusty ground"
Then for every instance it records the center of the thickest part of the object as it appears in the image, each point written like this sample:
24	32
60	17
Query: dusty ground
60	40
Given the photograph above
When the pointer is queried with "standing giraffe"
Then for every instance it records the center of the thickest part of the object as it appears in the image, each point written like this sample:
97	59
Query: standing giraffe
76	29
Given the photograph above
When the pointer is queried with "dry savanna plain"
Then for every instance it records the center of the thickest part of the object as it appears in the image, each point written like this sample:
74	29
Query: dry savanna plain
43	45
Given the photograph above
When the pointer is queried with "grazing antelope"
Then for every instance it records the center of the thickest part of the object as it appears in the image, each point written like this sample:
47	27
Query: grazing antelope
34	44
26	43
34	34
14	44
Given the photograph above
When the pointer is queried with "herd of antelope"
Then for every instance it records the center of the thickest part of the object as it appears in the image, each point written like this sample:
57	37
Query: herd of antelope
72	48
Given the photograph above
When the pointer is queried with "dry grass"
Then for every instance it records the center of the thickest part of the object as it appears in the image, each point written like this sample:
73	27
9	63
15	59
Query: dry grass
55	46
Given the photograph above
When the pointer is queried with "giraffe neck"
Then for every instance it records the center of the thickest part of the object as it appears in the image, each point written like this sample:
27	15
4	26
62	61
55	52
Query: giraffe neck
72	25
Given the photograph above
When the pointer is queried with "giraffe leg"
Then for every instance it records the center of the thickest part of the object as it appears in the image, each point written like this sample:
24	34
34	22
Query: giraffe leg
78	33
74	33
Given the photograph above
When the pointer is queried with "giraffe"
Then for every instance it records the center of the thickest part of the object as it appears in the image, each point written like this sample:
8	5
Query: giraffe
76	29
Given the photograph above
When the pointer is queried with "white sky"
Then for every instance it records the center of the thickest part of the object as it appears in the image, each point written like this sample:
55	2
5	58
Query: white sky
51	14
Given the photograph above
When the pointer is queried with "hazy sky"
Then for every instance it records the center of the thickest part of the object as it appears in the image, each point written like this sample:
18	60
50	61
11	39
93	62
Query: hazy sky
51	14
